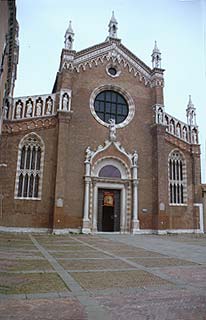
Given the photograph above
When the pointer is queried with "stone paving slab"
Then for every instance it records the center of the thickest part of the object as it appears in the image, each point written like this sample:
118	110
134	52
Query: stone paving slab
117	279
20	254
164	277
83	254
93	264
135	253
161	304
30	283
161	262
43	309
24	265
193	275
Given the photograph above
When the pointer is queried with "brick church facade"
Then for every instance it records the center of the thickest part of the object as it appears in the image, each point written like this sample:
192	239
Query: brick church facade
100	153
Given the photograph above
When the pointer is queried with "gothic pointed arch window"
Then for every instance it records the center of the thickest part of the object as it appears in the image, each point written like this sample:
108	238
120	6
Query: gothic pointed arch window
177	178
29	168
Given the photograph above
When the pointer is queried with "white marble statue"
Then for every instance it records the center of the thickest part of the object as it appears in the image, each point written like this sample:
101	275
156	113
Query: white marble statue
5	112
184	134
18	110
49	106
38	108
178	131
134	158
65	102
194	136
160	116
112	130
29	109
89	154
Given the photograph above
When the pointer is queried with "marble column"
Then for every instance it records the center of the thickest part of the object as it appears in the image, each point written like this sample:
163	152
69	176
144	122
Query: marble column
86	222
135	220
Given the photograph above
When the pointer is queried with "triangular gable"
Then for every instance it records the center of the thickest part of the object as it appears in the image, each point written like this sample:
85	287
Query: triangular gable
112	51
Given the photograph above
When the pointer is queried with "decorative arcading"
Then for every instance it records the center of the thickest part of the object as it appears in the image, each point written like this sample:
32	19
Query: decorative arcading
30	107
176	127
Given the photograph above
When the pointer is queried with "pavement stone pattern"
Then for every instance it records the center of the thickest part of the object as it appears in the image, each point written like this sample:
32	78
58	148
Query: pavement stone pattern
102	277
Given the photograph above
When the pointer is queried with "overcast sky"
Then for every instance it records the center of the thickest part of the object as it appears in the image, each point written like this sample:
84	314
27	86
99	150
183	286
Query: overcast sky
177	25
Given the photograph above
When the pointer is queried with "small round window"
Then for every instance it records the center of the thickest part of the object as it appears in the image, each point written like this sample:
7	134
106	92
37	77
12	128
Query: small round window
109	104
112	71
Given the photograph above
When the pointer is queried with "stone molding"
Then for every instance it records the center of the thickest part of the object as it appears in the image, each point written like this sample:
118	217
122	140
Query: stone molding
27	125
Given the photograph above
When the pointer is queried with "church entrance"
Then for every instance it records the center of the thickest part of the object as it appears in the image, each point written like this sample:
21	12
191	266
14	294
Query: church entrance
108	210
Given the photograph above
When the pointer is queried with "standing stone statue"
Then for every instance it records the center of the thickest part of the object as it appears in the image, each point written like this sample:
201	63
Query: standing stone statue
18	110
29	109
65	102
135	158
89	154
49	106
112	130
38	108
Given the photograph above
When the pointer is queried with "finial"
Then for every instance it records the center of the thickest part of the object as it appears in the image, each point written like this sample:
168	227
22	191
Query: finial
69	37
156	57
113	26
191	112
190	104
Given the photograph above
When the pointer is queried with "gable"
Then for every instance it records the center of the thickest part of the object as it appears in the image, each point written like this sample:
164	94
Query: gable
112	51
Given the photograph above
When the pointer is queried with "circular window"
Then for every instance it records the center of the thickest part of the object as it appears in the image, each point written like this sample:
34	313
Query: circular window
112	71
109	104
112	102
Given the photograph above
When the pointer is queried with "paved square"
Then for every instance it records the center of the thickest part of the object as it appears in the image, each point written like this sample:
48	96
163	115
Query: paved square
97	277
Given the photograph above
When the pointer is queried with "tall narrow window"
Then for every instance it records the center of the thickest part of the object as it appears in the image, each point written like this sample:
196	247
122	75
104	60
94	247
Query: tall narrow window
177	178
29	167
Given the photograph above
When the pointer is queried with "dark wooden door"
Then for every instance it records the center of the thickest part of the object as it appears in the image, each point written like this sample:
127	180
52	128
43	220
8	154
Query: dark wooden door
108	210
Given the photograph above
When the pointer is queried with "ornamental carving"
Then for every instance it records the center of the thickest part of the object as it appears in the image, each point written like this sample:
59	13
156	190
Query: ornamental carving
14	127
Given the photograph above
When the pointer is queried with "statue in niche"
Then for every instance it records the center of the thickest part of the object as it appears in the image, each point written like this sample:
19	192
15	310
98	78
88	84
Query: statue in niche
65	102
134	158
6	109
184	134
89	154
178	131
194	136
172	127
18	110
49	106
38	108
160	116
29	109
112	130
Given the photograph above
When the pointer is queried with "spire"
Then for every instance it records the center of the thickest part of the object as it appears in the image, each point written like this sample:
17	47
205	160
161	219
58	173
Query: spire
69	37
113	27
156	57
191	113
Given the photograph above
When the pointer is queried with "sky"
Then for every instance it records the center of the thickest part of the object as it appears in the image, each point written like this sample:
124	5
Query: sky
178	26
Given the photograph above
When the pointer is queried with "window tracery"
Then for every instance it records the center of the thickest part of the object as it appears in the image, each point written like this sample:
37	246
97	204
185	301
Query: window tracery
29	168
177	178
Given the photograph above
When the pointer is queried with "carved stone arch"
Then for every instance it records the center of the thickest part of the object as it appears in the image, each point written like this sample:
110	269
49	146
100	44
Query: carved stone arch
114	161
32	135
